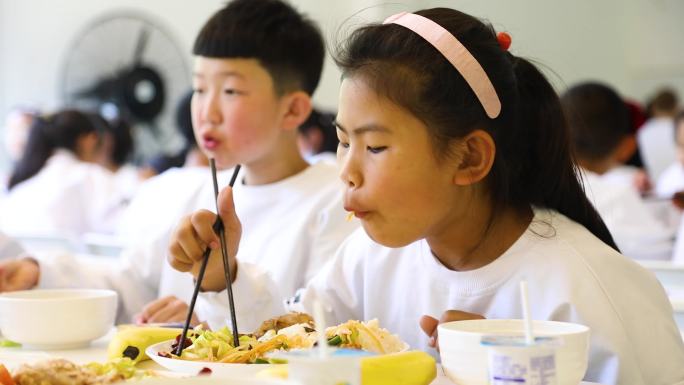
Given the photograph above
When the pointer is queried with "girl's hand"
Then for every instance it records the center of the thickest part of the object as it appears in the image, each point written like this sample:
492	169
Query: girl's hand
195	233
18	274
429	324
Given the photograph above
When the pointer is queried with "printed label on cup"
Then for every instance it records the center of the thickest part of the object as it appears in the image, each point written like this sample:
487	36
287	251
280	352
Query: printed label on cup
512	362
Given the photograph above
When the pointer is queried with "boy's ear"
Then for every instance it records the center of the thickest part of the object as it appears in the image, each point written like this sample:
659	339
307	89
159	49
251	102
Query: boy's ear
476	157
625	149
297	107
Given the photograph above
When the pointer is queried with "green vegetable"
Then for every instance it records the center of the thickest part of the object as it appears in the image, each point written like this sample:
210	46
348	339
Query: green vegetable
334	341
4	343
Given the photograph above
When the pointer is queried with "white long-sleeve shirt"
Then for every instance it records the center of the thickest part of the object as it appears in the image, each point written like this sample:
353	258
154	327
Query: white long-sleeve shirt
635	227
290	228
67	197
572	277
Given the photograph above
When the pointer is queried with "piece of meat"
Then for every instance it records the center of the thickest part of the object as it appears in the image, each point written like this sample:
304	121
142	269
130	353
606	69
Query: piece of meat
283	321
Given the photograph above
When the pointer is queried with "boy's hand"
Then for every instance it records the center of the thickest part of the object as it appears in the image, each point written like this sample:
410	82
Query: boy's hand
195	233
429	324
165	310
18	274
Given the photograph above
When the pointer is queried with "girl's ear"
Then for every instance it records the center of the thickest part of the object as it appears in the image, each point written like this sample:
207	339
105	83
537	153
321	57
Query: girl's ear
297	107
477	151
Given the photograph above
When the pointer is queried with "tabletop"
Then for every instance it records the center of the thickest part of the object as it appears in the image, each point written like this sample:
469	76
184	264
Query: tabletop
97	351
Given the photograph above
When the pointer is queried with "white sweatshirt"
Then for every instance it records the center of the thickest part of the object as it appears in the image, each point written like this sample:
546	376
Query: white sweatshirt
572	277
290	227
67	197
636	229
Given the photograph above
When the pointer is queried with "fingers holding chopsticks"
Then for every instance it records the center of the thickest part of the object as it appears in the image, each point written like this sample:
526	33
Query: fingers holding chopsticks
190	239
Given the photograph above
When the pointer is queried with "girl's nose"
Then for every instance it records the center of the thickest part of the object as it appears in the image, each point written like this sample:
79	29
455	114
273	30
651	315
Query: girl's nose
349	171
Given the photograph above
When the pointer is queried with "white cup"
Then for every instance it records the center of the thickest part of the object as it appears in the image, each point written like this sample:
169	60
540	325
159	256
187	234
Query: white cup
512	361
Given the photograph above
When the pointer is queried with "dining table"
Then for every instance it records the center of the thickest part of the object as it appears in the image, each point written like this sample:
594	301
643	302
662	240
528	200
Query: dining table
96	351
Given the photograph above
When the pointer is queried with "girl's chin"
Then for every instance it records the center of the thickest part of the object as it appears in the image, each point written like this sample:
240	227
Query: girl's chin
385	238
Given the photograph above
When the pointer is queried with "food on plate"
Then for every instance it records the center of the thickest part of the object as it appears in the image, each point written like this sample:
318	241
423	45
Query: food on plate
5	376
63	372
132	341
283	321
282	333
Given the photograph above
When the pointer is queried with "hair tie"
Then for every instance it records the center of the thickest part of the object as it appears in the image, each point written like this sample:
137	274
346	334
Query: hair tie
457	54
504	40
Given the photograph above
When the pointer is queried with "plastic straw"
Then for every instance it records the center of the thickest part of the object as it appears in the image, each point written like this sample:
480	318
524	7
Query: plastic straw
319	321
529	336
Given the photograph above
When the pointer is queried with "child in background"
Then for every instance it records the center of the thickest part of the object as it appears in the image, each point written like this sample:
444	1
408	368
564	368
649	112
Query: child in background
317	139
602	140
56	188
457	163
672	179
655	136
257	64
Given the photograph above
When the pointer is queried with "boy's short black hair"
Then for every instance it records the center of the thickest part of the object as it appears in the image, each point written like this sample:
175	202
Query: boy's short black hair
286	43
598	119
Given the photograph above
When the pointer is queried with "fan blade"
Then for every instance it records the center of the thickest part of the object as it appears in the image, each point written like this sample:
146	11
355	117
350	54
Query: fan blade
141	45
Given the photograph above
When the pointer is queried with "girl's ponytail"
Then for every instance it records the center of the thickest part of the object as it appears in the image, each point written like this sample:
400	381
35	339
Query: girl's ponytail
39	147
550	177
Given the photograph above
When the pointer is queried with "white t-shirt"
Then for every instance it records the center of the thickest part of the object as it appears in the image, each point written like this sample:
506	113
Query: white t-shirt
635	228
656	140
290	227
671	180
572	277
67	197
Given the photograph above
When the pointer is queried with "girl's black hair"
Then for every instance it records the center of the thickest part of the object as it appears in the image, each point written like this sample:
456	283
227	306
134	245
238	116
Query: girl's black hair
533	163
48	133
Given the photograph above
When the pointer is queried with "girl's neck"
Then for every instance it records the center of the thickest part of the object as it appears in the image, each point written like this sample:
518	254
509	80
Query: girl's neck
479	239
285	161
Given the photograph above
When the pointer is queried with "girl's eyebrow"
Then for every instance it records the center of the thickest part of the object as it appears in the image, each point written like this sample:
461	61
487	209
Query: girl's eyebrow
363	129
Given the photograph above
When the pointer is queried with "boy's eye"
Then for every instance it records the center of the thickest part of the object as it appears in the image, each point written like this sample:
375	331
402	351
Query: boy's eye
376	150
231	91
198	90
343	144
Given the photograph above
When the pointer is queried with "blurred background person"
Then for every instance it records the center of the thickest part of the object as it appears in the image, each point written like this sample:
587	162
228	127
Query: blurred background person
655	136
56	188
17	124
317	137
671	181
603	140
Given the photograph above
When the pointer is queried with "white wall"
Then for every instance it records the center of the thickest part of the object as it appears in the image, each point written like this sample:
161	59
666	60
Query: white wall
632	44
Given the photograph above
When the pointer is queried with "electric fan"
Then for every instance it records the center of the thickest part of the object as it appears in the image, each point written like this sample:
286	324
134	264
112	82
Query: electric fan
125	65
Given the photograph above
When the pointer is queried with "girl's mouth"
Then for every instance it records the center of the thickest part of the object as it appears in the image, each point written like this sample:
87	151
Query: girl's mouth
210	143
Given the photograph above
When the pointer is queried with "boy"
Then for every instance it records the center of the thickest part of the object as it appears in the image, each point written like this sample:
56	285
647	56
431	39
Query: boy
602	140
257	64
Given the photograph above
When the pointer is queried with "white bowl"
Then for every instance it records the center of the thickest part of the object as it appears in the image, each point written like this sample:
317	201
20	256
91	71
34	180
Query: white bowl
57	319
464	359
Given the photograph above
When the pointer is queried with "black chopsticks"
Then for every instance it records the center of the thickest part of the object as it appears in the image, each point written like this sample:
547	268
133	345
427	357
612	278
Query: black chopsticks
218	228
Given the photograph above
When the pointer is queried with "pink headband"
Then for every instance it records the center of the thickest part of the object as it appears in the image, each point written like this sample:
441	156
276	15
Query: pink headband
457	54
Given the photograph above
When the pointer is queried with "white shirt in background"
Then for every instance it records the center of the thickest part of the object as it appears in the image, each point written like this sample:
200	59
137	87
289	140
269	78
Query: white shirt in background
161	200
622	175
671	180
67	197
656	140
291	228
572	276
634	226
